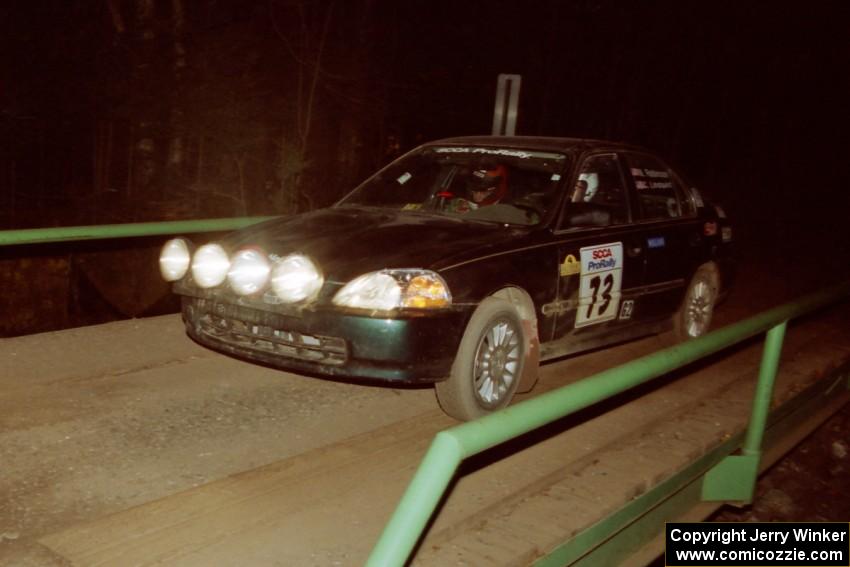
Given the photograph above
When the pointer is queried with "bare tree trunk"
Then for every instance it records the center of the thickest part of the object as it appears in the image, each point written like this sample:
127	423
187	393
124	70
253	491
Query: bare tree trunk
361	123
305	119
143	143
240	168
41	168
299	60
96	159
107	161
144	16
97	168
292	157
199	171
289	169
12	190
311	204
131	153
199	174
102	161
311	97
176	147
115	13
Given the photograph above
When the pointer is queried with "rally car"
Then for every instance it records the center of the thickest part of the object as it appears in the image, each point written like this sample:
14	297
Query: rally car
465	263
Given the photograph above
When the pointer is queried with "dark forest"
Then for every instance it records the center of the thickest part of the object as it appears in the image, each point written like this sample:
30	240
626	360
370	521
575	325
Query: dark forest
117	111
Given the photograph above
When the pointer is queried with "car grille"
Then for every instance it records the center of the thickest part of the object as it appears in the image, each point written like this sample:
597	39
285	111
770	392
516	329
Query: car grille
267	339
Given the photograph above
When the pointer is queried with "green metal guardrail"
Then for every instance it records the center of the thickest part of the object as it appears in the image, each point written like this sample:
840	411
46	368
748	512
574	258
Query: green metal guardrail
450	447
104	231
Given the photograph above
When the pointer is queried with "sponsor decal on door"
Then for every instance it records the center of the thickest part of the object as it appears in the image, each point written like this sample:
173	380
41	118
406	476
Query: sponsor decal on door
601	279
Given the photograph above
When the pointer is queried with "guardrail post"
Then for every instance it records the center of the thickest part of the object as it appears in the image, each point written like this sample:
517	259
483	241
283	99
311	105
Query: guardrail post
764	388
419	502
734	478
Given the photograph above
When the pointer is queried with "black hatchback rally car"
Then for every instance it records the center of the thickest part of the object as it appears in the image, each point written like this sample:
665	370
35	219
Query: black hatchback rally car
465	263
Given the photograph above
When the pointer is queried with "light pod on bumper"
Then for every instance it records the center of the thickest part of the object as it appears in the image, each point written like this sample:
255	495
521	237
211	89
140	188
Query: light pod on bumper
395	289
210	265
174	259
249	271
296	278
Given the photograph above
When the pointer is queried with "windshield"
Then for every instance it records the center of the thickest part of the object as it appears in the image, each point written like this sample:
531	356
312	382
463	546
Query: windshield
481	183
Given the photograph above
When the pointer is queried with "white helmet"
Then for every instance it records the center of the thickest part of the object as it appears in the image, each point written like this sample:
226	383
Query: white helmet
592	180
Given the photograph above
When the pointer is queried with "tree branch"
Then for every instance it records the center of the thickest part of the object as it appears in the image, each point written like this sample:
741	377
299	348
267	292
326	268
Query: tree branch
312	96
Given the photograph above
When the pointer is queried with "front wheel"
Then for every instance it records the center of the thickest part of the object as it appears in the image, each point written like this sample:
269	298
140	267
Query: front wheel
693	318
489	363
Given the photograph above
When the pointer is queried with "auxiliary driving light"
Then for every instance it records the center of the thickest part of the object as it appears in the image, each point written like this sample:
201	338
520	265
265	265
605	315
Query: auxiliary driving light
174	259
249	271
296	278
210	265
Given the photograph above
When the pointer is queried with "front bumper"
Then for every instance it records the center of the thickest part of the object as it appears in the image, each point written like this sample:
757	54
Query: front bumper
414	349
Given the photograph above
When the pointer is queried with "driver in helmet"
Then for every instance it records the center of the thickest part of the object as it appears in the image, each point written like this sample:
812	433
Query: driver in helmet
487	186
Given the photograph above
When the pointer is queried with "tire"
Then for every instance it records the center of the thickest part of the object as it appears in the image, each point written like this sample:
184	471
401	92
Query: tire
489	362
693	319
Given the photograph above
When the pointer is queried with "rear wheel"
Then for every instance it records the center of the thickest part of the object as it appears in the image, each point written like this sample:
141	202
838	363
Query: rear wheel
693	319
489	362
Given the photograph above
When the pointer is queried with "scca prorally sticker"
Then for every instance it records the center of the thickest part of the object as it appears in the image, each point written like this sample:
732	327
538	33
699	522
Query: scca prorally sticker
487	151
601	279
506	152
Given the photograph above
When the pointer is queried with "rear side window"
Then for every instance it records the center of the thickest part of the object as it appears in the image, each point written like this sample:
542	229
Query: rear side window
659	192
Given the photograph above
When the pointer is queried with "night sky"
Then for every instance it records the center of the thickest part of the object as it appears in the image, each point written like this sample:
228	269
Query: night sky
118	111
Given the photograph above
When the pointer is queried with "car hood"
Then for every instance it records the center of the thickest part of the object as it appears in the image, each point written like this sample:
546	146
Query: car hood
346	242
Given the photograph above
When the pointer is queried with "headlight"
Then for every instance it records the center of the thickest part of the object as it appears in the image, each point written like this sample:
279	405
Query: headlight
394	289
295	278
210	265
249	271
174	259
371	291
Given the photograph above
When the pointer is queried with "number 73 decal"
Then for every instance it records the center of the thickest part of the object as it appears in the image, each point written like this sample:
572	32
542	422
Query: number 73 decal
601	279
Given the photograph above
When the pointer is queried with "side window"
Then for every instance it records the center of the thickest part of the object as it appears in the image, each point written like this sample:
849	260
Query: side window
599	195
686	198
659	191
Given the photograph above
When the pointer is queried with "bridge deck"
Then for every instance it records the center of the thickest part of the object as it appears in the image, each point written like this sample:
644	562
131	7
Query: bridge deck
138	455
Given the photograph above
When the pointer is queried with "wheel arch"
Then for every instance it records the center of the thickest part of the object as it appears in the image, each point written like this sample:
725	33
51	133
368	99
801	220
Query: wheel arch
713	268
